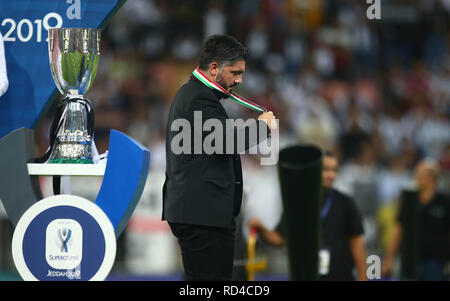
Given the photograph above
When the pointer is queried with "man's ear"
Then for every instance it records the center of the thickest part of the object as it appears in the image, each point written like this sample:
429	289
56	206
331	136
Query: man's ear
214	69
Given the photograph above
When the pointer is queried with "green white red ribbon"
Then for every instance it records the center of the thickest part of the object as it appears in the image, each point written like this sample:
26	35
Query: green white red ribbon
245	102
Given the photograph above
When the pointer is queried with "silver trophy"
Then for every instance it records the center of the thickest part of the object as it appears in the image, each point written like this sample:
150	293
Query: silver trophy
74	55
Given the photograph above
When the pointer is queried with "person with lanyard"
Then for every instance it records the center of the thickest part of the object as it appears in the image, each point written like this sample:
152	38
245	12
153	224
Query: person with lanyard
202	192
431	212
3	74
342	244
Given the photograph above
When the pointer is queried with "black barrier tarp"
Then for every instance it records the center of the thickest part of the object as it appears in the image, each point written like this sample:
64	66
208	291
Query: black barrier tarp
299	171
409	249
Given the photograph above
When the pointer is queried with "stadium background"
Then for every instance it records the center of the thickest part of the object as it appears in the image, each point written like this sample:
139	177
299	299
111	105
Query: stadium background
374	91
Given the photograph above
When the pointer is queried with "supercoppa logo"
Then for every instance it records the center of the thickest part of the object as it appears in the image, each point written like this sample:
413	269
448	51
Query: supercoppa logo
64	244
64	234
41	238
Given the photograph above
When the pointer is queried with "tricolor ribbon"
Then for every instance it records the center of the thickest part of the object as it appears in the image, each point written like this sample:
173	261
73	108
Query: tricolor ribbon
245	102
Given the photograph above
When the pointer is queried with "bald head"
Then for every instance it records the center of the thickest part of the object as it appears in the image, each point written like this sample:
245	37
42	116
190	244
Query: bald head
426	173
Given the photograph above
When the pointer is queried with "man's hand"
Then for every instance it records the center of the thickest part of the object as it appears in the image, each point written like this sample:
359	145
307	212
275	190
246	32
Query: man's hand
255	223
268	118
270	236
386	267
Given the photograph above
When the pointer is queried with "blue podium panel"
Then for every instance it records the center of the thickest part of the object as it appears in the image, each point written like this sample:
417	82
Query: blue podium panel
24	26
18	191
124	180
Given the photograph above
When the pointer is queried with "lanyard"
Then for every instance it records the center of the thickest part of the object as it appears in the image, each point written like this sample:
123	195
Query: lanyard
326	206
245	102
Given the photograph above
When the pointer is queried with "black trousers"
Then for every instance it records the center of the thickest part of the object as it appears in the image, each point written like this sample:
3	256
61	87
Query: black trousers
207	252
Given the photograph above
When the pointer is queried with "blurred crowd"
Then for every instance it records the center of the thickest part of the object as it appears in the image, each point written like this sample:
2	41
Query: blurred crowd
375	92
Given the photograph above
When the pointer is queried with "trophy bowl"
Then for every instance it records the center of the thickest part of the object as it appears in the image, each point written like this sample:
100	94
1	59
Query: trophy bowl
74	55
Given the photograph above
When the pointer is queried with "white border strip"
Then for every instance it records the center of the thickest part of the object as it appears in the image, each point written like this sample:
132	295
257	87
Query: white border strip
51	169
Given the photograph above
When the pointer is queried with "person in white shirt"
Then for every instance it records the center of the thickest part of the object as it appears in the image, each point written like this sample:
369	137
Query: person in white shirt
3	74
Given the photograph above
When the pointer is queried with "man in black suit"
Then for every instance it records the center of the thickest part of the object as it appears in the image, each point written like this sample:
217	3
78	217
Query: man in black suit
203	191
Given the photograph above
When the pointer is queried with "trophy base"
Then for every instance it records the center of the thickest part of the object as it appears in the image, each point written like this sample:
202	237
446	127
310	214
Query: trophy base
72	152
71	161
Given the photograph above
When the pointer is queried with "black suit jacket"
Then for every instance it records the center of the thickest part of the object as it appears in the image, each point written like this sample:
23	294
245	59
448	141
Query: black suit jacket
200	188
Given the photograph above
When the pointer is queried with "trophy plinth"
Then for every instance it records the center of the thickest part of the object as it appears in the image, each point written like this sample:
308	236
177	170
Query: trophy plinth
74	54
